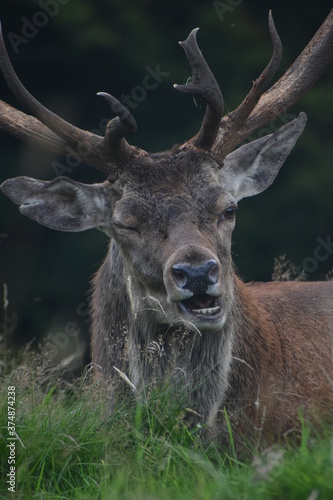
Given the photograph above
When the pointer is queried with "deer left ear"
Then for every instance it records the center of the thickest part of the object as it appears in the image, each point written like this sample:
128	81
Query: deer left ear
250	169
62	204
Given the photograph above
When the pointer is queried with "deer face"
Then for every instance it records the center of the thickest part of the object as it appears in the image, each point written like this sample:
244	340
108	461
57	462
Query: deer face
173	223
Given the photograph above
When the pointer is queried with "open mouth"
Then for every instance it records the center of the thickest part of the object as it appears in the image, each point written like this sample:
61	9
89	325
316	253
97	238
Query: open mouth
203	307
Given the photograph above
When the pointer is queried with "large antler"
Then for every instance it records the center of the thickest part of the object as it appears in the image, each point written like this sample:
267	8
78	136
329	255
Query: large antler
203	83
222	135
254	113
107	154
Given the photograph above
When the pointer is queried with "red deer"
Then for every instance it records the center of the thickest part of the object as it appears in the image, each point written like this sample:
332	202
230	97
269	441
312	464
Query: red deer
167	303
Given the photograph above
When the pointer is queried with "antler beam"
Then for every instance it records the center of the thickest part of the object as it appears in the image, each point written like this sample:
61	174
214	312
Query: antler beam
27	128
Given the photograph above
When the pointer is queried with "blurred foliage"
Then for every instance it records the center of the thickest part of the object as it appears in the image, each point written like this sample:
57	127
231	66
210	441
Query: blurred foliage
103	45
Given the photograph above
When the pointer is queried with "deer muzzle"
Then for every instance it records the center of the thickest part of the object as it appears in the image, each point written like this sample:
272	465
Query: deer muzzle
193	282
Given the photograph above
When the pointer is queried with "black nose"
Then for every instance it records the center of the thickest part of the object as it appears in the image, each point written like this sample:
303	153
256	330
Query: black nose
196	278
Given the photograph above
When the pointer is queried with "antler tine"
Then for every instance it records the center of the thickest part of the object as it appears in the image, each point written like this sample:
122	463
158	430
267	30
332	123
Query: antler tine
106	154
120	126
246	107
203	83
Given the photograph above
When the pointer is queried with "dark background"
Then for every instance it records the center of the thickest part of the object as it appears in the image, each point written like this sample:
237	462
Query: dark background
103	45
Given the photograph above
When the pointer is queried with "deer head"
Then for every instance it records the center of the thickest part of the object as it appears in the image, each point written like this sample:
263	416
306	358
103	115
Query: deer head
170	215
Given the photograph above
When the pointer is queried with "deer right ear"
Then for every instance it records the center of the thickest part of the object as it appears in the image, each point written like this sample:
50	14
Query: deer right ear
61	204
250	169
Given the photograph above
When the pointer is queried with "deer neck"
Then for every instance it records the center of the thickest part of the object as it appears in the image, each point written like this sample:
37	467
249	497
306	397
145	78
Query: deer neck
203	364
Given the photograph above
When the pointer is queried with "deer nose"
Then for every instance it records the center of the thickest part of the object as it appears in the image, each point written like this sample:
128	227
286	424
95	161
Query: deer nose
196	278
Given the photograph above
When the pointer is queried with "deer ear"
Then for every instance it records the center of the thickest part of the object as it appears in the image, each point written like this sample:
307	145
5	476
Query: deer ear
250	169
61	204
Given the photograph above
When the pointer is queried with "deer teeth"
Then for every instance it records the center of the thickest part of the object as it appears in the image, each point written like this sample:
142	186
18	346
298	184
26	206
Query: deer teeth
210	311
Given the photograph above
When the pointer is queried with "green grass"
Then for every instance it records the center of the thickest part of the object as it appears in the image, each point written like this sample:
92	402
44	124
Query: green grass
74	447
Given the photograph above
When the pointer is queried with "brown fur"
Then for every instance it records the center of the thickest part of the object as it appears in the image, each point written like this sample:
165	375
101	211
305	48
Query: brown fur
285	344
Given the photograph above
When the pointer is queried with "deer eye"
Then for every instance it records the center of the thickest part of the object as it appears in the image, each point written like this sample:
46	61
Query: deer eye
122	227
228	214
